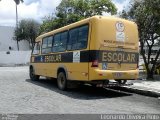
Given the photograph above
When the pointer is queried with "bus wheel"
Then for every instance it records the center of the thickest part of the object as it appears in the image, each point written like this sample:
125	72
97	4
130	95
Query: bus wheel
32	75
62	81
121	81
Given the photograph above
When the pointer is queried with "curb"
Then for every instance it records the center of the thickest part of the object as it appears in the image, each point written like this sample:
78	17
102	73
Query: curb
142	92
13	65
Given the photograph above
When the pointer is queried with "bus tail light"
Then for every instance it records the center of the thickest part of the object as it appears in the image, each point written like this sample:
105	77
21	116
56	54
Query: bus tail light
95	63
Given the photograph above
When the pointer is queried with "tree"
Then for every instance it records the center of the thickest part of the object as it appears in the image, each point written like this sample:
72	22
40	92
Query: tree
86	8
17	2
146	13
70	11
27	29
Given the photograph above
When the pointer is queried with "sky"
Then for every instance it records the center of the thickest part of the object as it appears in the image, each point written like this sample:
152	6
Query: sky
35	9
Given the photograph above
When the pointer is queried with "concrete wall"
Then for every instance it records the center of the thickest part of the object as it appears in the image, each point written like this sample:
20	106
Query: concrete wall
6	40
14	58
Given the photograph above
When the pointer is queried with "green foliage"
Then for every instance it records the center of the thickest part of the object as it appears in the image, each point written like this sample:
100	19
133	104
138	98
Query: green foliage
28	29
70	11
146	13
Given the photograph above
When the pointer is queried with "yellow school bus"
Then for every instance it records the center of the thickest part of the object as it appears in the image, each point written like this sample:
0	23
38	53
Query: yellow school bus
93	51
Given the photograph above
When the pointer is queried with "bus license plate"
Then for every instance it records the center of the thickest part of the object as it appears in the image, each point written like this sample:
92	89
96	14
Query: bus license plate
117	75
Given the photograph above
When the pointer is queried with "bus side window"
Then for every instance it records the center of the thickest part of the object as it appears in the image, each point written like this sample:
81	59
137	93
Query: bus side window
82	37
64	37
56	43
36	49
47	44
78	38
73	34
60	41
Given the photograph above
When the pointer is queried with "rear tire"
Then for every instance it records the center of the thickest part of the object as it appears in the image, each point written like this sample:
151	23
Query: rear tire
32	75
62	81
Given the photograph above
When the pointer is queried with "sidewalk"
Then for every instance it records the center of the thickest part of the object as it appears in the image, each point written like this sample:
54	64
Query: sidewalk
146	87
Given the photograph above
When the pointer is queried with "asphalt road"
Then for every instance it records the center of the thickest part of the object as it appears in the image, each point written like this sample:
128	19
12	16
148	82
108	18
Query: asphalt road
20	95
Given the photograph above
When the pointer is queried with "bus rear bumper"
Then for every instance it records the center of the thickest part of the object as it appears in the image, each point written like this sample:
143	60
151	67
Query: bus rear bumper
114	75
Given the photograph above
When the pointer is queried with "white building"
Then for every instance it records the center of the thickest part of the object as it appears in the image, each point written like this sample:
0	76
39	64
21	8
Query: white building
6	40
155	49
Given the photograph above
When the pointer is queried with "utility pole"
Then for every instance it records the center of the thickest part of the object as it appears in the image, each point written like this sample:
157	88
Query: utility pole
17	26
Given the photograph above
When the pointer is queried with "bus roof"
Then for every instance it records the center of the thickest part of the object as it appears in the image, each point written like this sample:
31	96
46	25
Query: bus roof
84	21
